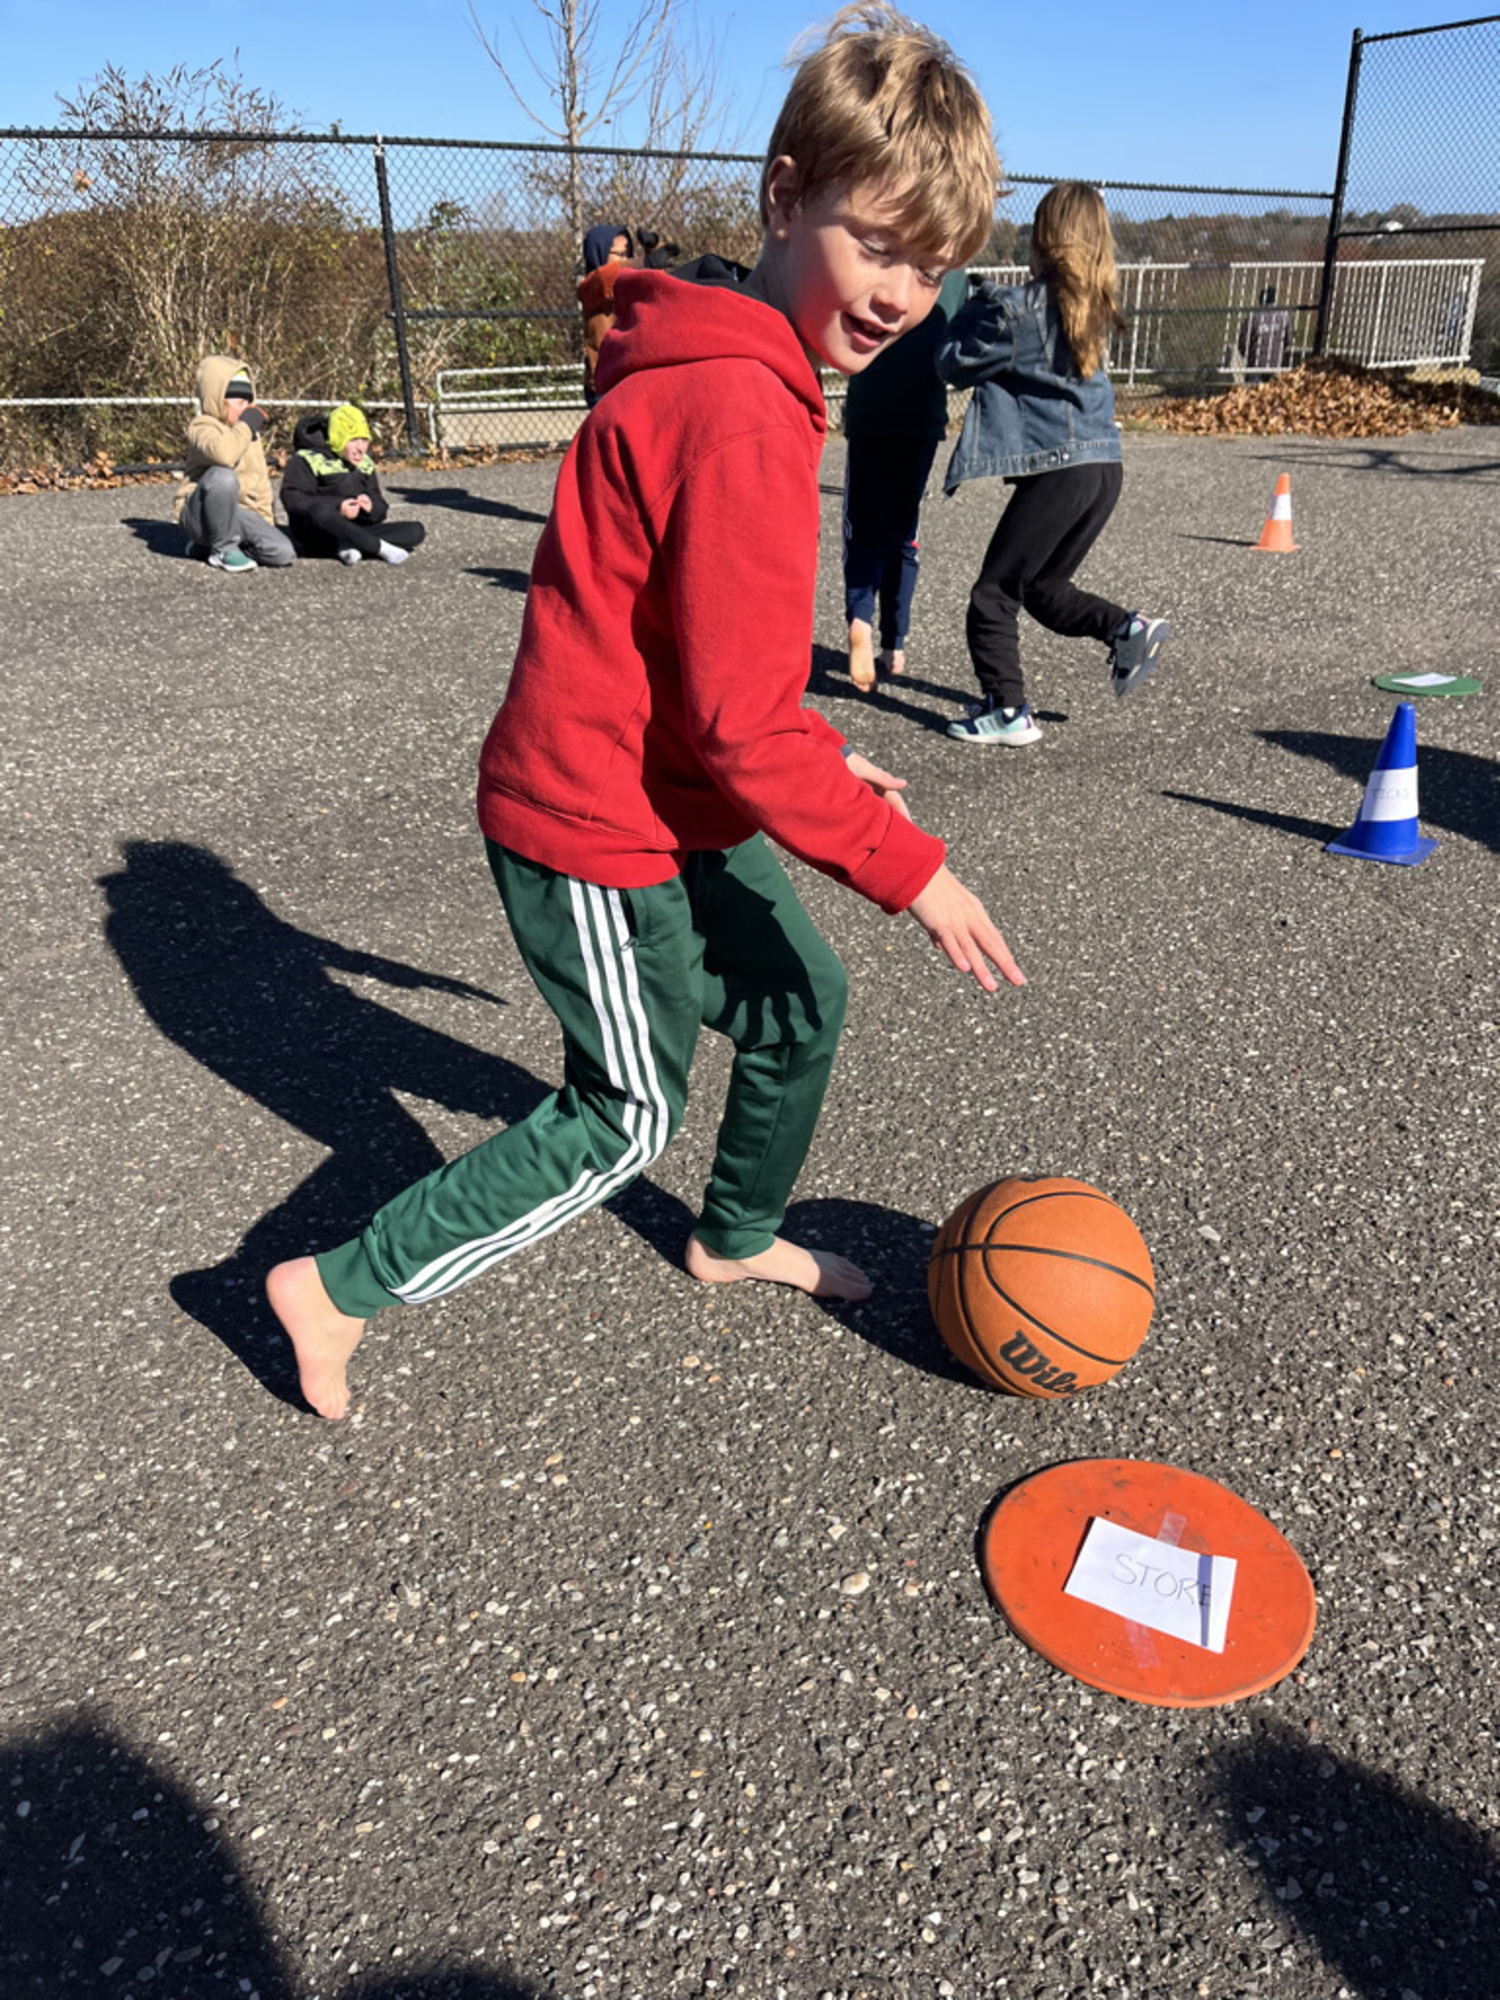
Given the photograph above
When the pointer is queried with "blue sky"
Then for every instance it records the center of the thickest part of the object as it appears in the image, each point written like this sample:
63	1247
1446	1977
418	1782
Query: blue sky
1179	92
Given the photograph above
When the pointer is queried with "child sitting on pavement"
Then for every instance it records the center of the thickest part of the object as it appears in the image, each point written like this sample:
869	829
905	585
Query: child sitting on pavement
224	502
332	495
648	742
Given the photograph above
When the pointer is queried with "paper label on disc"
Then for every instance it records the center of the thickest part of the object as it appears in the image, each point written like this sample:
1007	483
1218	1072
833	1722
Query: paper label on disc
1425	680
1152	1583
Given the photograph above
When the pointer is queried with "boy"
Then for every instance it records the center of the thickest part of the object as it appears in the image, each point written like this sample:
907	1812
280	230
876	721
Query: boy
644	744
331	492
224	501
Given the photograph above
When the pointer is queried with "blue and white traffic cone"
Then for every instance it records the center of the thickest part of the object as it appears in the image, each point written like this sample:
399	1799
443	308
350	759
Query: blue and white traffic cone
1386	826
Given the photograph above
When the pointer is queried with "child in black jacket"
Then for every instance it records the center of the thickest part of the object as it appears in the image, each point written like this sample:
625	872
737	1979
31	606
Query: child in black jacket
332	494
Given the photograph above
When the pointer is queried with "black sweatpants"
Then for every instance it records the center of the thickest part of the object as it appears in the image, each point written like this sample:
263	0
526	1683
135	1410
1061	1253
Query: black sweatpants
322	530
1051	523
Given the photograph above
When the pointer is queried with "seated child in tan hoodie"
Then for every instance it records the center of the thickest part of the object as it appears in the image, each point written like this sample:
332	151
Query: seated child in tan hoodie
224	501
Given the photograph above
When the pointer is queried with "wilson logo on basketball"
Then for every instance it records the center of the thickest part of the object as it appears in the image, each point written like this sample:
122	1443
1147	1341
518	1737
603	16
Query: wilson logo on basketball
1038	1370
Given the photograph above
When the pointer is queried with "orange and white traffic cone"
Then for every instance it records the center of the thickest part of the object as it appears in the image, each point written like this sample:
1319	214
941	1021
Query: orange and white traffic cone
1276	536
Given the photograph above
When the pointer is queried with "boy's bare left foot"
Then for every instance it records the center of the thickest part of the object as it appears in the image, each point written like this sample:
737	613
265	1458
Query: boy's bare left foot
820	1272
322	1337
861	654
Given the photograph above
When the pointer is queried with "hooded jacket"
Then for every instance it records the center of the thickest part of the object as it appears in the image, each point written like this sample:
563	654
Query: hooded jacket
655	706
315	472
596	297
213	441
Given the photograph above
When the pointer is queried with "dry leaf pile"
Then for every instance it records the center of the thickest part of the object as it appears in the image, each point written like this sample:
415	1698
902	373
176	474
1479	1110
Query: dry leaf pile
1326	399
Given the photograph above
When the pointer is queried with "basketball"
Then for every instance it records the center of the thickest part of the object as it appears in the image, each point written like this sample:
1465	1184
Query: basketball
1041	1286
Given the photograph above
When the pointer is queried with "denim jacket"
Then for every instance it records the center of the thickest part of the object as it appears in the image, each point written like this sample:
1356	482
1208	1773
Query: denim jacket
1030	411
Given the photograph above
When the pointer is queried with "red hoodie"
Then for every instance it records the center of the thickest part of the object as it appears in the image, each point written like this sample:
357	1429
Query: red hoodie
655	706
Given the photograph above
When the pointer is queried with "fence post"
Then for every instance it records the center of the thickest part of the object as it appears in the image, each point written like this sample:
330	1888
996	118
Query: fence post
393	278
1340	183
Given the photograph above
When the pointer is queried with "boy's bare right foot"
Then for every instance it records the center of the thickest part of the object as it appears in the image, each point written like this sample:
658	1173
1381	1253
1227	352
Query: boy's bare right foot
322	1337
893	661
861	654
820	1272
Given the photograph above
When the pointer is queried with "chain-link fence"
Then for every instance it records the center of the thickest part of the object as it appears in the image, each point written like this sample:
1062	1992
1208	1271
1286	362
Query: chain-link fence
1415	239
435	280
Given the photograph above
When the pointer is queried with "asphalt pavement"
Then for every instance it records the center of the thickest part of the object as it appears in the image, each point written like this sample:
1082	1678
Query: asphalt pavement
628	1642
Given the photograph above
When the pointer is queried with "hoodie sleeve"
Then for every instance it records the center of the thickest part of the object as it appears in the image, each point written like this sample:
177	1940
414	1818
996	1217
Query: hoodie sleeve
218	442
743	678
980	341
299	486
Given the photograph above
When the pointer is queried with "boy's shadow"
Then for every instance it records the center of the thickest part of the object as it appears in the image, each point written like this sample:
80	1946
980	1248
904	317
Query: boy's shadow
162	538
114	1875
249	996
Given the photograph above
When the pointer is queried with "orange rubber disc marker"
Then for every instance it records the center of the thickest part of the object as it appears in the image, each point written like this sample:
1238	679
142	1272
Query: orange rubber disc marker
1031	1541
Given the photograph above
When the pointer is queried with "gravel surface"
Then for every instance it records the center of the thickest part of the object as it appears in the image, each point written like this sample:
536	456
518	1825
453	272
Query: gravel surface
628	1641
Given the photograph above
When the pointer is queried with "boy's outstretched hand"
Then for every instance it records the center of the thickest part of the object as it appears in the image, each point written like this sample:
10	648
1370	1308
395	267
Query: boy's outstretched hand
889	788
958	924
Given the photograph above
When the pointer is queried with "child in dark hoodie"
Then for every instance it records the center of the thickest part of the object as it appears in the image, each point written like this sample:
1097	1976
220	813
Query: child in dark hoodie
331	492
652	737
607	251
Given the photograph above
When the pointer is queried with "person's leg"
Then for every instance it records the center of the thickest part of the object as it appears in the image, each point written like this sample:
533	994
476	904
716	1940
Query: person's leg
622	970
911	464
991	626
863	554
406	535
1080	503
211	514
774	987
266	544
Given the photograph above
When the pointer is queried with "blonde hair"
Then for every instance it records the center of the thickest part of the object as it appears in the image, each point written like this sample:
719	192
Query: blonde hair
881	99
1073	250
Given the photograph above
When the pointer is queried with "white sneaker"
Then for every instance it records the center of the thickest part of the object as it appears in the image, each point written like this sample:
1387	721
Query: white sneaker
349	557
391	554
988	722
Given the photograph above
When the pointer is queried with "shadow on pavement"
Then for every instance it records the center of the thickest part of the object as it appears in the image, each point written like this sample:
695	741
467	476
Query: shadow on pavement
829	681
892	1248
116	1879
162	538
504	579
1456	789
1369	458
462	501
1301	829
1394	1892
250	997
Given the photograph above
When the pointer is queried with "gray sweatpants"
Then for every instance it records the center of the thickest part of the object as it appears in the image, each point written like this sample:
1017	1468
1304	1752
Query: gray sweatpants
213	516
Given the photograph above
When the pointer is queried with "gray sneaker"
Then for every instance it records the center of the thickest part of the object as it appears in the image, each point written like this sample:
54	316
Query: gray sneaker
1135	652
988	722
232	560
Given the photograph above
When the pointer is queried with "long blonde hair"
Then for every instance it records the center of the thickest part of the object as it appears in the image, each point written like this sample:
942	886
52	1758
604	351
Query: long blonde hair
1073	251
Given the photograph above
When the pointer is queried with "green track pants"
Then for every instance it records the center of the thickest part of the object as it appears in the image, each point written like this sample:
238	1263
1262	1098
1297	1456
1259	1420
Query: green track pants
632	975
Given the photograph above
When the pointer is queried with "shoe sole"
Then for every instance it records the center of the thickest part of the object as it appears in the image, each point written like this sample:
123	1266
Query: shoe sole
1146	666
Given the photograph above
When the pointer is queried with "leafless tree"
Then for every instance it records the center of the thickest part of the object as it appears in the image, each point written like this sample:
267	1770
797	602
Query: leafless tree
585	84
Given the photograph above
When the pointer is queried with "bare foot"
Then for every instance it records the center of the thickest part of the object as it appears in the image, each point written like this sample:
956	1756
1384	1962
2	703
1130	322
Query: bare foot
861	654
820	1272
322	1337
893	661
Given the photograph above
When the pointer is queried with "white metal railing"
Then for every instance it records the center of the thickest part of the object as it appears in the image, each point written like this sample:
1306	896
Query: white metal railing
1388	312
1148	292
187	403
